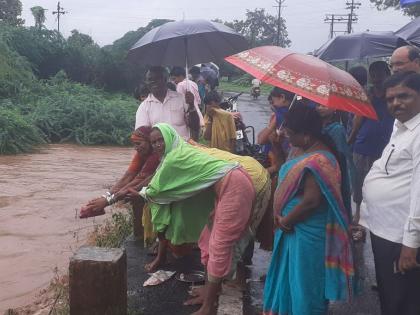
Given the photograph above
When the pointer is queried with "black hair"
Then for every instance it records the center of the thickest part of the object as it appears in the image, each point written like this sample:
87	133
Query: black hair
277	92
171	86
305	119
178	72
160	70
212	96
379	66
408	79
195	71
360	74
140	91
413	53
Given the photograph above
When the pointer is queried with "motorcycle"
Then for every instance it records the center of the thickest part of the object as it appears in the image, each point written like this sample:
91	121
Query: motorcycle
255	92
243	145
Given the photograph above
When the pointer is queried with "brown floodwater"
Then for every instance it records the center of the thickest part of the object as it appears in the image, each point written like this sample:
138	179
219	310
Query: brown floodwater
39	228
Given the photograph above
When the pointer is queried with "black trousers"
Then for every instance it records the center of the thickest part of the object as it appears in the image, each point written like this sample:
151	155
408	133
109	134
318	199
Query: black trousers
398	294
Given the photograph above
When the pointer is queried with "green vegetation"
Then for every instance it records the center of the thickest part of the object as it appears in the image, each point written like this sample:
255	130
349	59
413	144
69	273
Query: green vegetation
115	231
39	103
413	10
242	85
54	89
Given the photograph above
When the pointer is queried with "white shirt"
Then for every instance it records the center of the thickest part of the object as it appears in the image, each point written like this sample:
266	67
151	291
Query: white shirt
172	111
256	83
184	86
391	191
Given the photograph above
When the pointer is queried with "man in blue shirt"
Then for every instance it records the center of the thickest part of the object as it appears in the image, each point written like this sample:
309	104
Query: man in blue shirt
369	137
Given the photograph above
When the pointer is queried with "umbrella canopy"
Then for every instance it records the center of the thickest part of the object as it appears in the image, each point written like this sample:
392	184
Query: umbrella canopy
359	46
307	76
410	32
192	41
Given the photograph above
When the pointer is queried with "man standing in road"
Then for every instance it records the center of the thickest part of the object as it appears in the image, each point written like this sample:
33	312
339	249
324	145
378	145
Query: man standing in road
166	106
405	59
185	86
391	205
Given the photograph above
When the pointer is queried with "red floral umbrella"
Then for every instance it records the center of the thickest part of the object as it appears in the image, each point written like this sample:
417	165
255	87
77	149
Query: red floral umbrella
307	76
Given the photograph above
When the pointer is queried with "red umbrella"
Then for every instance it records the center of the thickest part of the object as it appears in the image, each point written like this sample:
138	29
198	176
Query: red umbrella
307	76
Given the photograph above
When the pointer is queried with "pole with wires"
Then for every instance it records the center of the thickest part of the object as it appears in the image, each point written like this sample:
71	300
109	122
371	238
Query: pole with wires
59	12
279	6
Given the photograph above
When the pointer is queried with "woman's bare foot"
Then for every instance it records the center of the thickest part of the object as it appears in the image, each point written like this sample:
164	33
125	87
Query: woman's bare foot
198	294
206	311
155	264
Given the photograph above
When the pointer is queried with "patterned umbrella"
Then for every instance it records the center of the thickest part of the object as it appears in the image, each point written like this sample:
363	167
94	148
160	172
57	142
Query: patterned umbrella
307	76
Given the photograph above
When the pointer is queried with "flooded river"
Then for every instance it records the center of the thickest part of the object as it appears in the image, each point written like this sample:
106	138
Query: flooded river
39	195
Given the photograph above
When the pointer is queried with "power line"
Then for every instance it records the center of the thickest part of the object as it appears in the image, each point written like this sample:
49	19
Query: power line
60	11
352	16
333	19
279	6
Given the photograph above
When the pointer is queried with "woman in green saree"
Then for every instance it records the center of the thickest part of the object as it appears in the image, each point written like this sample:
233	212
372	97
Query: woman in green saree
186	171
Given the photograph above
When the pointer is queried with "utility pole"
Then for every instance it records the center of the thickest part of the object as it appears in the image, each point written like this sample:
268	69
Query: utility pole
335	19
352	16
60	11
279	5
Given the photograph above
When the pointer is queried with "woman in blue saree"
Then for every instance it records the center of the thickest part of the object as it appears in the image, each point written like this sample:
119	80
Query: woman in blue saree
312	257
336	131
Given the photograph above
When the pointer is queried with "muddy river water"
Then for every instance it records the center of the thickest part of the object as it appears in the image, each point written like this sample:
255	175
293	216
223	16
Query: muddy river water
39	228
39	195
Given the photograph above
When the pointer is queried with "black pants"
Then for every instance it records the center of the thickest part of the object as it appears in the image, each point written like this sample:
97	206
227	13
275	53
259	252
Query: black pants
399	294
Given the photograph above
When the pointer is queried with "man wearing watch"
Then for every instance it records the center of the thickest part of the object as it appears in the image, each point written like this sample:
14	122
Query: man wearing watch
166	106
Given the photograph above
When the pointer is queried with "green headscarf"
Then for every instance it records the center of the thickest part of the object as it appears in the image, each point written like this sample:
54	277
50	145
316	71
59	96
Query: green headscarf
184	170
177	195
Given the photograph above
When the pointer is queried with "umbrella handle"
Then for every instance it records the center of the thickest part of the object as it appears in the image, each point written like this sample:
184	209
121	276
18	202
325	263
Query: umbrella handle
290	106
186	64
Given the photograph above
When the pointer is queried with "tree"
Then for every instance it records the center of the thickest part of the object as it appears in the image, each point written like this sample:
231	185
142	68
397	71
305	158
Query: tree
10	10
39	16
260	28
81	54
413	10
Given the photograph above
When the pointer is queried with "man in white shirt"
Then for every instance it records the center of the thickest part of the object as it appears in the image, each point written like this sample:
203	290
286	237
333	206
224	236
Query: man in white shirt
405	59
256	83
391	201
164	105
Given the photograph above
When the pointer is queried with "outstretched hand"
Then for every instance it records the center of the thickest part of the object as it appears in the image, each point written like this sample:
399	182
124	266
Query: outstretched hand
93	208
133	194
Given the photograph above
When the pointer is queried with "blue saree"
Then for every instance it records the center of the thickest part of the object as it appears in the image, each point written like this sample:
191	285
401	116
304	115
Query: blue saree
313	264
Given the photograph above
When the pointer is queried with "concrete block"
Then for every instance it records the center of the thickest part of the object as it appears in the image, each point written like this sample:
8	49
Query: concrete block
98	281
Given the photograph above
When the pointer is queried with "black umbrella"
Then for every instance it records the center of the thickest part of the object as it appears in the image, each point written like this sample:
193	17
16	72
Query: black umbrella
187	42
359	46
410	32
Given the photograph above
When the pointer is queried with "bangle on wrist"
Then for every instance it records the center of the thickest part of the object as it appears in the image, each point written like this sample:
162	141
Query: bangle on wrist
110	198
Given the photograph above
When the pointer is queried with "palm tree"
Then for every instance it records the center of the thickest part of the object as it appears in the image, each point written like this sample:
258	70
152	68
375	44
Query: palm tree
39	16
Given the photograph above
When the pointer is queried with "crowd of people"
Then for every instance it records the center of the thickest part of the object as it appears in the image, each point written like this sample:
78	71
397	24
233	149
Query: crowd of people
298	204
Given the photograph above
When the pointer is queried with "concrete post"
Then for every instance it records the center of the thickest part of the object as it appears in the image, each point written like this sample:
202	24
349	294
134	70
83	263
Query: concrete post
98	281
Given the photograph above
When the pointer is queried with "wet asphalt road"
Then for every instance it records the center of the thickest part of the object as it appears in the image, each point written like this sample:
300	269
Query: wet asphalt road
168	298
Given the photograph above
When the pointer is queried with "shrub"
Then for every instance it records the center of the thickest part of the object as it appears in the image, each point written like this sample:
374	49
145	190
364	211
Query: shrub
16	133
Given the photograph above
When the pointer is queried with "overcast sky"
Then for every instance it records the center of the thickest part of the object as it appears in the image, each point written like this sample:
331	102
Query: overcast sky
108	20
